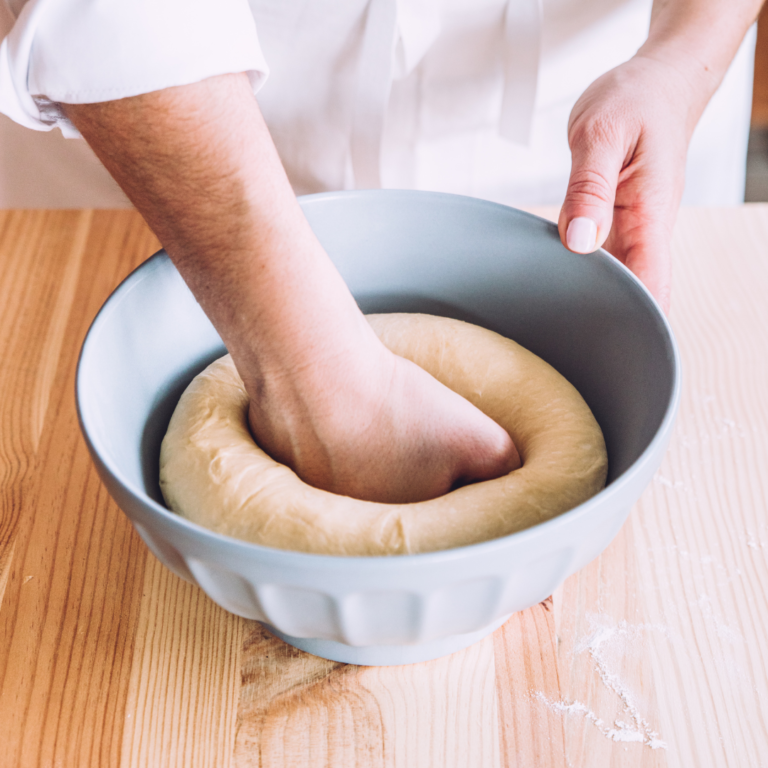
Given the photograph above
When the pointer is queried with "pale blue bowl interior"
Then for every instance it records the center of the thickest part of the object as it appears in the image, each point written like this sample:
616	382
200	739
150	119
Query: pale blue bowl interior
399	251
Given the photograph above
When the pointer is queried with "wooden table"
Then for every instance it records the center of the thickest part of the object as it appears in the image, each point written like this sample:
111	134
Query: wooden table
656	654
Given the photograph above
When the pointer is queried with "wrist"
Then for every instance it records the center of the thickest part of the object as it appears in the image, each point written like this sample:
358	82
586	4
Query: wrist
698	39
298	410
679	82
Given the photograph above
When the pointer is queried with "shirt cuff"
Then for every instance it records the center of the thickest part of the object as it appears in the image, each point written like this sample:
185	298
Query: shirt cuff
86	51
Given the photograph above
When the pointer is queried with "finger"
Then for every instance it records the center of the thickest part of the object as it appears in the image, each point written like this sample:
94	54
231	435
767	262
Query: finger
647	200
587	212
645	251
496	455
493	455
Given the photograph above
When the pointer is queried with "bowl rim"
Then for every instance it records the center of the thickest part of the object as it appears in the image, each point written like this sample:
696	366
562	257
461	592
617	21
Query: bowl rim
376	562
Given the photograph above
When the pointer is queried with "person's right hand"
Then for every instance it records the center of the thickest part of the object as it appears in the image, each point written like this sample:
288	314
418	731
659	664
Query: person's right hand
374	426
327	398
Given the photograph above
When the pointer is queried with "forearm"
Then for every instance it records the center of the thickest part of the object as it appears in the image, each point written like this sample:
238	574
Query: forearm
199	164
326	397
699	38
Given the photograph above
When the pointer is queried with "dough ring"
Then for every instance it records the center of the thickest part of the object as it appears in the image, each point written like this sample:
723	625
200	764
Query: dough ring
213	473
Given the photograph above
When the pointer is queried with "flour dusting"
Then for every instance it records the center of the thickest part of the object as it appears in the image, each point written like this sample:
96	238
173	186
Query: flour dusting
620	731
754	542
597	643
724	632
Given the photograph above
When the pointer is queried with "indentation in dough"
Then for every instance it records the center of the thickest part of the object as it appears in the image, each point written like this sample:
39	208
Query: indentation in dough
213	473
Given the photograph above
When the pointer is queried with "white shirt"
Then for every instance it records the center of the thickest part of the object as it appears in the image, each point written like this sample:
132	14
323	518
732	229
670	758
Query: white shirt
468	96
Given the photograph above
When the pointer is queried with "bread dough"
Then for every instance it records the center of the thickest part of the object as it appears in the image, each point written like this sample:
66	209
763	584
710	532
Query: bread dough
213	473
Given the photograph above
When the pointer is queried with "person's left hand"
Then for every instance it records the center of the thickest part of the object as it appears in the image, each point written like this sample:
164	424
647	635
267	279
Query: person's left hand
629	135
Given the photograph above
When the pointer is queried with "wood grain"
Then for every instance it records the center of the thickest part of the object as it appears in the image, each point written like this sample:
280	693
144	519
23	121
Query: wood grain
701	528
653	655
297	709
69	612
184	682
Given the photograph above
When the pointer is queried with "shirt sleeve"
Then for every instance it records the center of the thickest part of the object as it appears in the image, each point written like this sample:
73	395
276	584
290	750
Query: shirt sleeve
85	51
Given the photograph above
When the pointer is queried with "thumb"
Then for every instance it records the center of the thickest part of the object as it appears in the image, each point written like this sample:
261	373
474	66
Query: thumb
587	212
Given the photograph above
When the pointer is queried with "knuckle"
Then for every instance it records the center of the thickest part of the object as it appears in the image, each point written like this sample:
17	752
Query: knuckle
587	184
596	141
597	145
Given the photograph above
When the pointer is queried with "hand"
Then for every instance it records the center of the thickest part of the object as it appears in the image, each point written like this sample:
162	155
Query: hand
374	426
629	135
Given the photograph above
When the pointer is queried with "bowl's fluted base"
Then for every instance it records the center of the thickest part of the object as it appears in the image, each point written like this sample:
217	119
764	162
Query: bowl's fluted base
385	655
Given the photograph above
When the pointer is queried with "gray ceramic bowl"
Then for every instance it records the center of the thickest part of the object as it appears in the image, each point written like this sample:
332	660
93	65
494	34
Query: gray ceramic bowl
398	251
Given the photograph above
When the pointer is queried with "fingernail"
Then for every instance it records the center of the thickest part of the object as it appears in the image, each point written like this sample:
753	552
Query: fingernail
581	235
